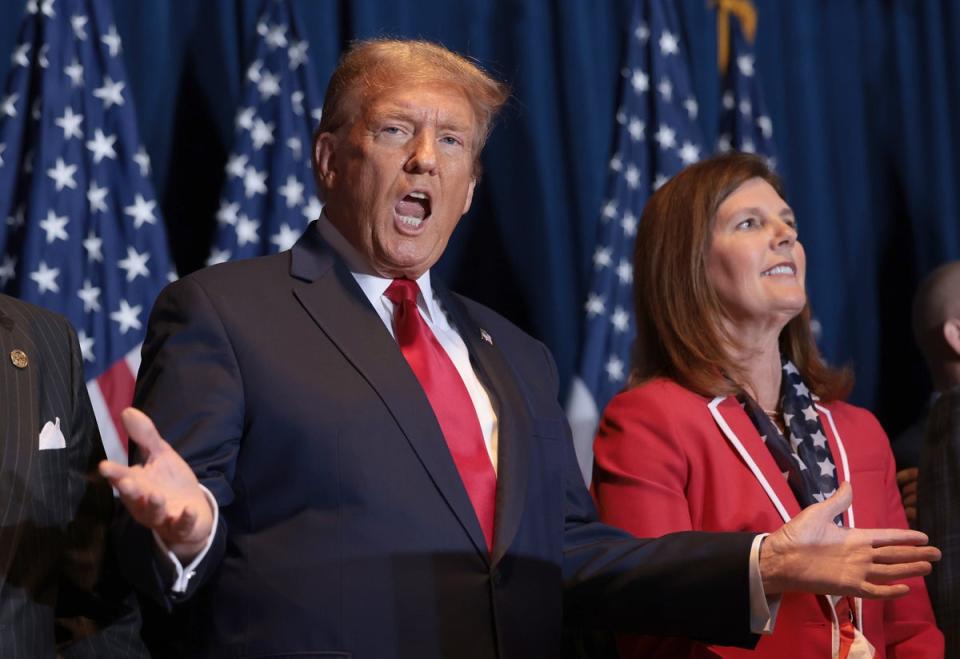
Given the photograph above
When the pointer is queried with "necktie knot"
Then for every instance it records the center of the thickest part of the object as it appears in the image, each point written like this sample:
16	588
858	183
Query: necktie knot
403	290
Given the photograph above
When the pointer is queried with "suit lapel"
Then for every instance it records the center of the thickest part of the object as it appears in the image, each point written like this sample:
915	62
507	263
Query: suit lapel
513	419
333	299
746	441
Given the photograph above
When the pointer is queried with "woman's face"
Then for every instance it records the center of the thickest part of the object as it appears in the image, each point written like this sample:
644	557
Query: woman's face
754	261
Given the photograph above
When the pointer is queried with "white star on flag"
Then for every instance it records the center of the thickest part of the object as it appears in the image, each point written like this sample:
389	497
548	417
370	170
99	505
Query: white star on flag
70	123
90	295
237	166
19	56
601	257
135	264
292	191
86	346
101	146
127	316
112	41
668	43
54	226
614	369
9	105
285	238
228	213
62	175
78	23
8	270
254	182
595	305
46	278
620	320
94	247
261	134
97	197
143	161
111	93
247	229
141	211
75	72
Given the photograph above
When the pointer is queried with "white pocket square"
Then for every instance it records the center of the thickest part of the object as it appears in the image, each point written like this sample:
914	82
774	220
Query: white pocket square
51	437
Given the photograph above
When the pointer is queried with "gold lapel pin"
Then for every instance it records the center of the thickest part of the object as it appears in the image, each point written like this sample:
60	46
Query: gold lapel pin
19	358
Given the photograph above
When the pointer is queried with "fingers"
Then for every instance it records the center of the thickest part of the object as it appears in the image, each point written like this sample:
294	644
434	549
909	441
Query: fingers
840	500
888	537
882	591
141	430
180	527
112	471
905	554
885	574
905	476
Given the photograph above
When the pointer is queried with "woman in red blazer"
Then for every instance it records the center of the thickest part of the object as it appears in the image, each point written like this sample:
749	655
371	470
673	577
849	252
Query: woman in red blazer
733	422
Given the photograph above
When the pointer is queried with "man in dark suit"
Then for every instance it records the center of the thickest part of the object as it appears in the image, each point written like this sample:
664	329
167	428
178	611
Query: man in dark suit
936	325
385	469
59	590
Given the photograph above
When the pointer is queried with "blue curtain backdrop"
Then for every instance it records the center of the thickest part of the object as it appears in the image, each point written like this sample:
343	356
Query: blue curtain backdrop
863	96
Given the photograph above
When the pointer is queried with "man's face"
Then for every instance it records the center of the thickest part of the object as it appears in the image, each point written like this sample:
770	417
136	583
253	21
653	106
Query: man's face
398	177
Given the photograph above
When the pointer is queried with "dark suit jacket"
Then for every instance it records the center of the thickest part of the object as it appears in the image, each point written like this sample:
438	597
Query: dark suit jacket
57	590
938	511
345	530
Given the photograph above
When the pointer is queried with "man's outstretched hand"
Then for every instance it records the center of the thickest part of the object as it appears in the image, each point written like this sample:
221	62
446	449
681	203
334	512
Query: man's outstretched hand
812	554
163	494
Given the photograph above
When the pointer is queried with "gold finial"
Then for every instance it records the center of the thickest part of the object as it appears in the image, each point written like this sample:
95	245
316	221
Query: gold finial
743	10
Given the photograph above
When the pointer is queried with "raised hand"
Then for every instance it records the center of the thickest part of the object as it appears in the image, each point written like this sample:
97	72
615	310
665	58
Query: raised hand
163	493
812	554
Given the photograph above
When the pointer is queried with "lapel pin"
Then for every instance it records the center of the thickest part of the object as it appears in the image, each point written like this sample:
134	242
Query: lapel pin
19	358
486	336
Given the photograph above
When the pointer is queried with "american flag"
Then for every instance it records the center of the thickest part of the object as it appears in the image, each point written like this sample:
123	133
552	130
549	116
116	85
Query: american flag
83	233
658	135
268	198
744	122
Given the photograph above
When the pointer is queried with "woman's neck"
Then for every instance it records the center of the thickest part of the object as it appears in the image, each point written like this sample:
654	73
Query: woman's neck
761	367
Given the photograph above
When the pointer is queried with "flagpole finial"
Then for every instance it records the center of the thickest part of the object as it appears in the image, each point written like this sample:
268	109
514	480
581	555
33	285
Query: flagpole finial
742	10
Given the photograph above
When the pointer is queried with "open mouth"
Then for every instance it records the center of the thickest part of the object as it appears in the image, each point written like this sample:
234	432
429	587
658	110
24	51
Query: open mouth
780	269
413	209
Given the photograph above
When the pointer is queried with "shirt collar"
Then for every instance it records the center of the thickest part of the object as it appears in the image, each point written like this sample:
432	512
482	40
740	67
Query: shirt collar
374	285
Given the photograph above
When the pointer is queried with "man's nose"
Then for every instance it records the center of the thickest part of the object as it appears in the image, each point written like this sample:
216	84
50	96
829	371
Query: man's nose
423	154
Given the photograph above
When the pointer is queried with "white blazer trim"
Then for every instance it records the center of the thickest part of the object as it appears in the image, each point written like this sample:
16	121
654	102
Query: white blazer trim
844	464
745	454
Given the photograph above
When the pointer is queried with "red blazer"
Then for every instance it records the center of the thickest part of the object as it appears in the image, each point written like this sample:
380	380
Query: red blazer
667	459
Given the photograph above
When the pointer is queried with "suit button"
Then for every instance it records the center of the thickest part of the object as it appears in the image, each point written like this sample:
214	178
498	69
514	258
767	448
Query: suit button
496	577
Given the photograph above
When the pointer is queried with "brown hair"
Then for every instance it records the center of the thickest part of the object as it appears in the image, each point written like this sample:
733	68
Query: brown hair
374	65
679	333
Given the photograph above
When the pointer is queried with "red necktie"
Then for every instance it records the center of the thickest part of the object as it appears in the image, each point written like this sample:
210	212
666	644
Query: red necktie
450	401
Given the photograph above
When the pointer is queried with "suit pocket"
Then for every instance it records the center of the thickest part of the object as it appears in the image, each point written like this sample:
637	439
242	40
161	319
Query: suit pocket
549	428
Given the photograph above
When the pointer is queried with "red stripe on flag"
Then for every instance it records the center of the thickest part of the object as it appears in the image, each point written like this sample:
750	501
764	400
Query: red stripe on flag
117	383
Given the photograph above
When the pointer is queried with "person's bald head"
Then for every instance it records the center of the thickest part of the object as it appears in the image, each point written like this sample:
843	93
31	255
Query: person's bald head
936	323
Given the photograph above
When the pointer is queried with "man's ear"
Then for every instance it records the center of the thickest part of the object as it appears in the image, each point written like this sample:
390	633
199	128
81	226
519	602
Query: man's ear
951	334
469	199
324	159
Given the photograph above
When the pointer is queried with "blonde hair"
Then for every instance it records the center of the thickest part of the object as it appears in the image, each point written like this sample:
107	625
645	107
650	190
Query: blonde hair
374	65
